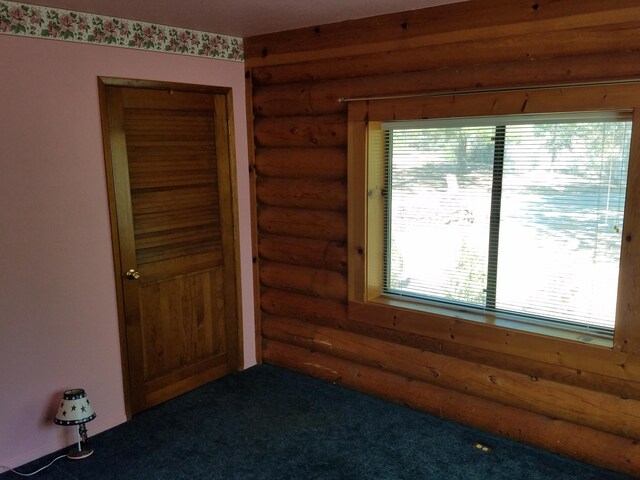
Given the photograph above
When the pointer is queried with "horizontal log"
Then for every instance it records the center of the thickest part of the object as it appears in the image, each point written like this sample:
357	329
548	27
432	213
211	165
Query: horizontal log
386	27
516	48
326	254
559	99
527	367
622	388
580	442
597	410
310	87
303	193
284	98
318	163
304	280
304	307
537	348
297	222
278	100
307	131
471	21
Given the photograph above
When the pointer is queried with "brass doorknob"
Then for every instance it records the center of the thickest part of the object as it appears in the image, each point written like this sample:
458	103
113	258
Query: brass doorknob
132	274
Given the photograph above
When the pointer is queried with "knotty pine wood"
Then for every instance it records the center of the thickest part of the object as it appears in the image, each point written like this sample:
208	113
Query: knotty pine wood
448	348
229	221
474	20
175	222
318	224
557	435
548	100
541	348
306	280
174	385
585	407
309	131
627	333
314	163
516	48
321	97
306	252
248	85
304	193
306	307
300	133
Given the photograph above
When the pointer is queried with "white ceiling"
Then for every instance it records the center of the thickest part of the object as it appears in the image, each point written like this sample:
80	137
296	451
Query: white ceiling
241	18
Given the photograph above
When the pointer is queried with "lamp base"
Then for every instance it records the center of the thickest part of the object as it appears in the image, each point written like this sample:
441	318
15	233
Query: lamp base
79	454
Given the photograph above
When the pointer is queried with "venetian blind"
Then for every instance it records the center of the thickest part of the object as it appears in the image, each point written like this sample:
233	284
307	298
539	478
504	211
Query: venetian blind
521	214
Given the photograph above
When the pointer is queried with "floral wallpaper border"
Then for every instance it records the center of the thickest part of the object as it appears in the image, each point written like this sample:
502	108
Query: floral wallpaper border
53	23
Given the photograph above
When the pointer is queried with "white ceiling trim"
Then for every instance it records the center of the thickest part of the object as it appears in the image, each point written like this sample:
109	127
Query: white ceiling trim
57	24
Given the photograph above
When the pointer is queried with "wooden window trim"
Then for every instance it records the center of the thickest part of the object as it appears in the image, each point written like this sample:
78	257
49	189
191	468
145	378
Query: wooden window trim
368	305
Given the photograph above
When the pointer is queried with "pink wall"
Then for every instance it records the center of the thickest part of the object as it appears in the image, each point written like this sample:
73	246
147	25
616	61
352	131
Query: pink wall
58	319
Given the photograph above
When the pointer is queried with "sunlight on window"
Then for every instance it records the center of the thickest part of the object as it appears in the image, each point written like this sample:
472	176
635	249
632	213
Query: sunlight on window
520	217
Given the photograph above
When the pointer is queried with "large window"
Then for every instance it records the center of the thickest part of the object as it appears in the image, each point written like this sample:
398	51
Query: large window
520	215
474	215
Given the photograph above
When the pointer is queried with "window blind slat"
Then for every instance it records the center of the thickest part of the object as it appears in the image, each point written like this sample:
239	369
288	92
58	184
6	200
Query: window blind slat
547	247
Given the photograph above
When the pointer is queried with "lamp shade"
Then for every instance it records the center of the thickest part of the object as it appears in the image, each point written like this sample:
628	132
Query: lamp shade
75	408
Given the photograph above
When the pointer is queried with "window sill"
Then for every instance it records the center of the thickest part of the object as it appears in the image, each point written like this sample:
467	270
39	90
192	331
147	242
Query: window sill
499	321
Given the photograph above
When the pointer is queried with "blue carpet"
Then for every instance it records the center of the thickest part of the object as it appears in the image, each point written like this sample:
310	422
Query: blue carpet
270	423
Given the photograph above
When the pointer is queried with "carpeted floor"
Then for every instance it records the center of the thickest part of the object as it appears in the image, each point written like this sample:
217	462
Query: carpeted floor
270	423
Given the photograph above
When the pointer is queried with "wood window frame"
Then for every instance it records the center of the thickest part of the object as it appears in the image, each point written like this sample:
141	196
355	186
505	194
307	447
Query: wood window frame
367	303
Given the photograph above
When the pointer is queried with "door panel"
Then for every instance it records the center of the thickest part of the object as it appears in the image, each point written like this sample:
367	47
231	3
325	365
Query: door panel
170	158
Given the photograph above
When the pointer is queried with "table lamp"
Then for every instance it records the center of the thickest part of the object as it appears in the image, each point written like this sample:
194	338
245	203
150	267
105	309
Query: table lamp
75	409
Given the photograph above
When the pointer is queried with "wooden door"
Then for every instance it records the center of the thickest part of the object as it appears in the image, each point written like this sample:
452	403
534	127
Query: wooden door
170	159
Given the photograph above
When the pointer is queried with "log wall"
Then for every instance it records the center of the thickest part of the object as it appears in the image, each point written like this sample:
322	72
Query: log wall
583	405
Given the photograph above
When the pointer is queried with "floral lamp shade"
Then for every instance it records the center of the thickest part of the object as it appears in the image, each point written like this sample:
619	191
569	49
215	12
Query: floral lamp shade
75	408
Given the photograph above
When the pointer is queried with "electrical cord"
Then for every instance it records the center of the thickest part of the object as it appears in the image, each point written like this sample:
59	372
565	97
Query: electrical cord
37	471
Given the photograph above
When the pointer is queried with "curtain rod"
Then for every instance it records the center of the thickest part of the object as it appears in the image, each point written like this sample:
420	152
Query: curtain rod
444	93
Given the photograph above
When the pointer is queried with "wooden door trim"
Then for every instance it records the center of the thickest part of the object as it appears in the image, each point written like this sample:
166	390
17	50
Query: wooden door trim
236	350
237	362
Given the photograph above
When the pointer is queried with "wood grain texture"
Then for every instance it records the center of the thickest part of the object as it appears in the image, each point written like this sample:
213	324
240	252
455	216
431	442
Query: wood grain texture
472	21
122	234
321	97
298	78
315	309
314	163
541	348
176	383
587	444
516	48
529	368
303	193
175	217
585	407
229	221
306	252
182	322
306	280
327	131
627	335
515	102
254	218
317	224
174	202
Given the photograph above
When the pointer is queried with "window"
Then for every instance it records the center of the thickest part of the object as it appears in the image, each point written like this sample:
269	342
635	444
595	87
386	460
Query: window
514	210
520	215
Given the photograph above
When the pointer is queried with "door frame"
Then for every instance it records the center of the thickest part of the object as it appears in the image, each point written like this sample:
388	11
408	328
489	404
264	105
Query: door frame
104	82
